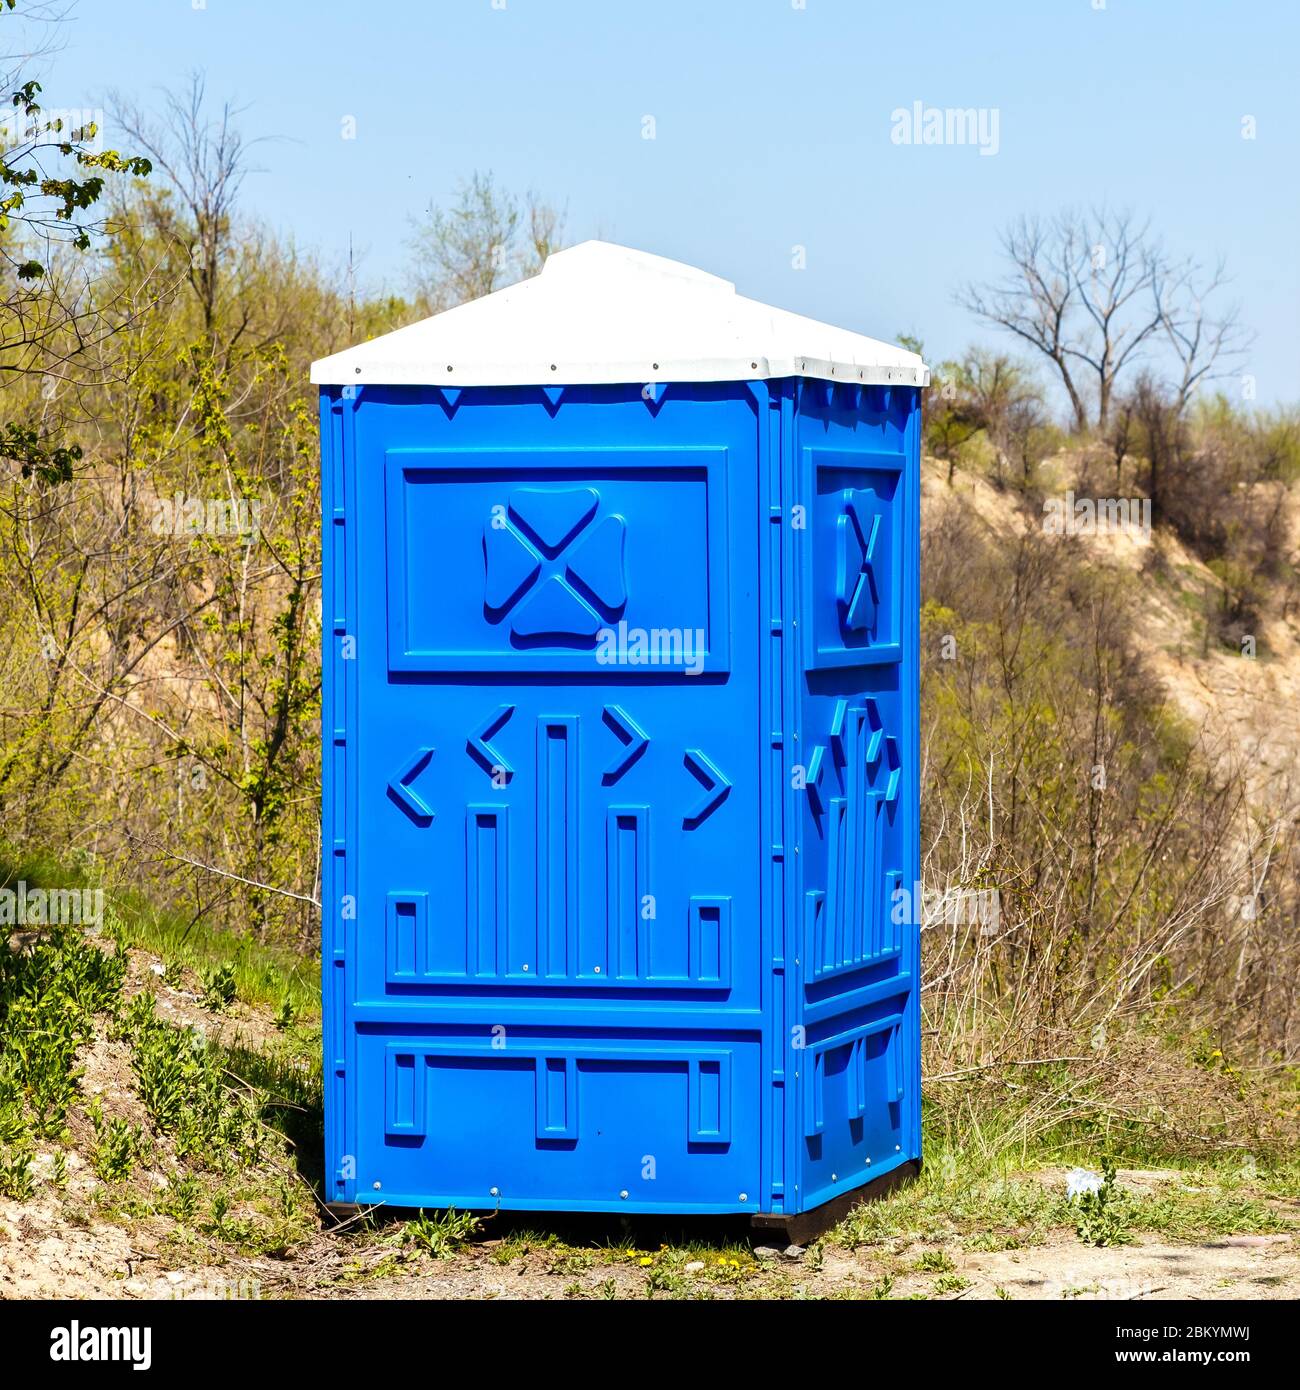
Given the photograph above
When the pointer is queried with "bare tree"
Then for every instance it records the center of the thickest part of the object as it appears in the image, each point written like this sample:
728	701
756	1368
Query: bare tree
1203	347
545	233
482	243
1096	293
205	159
1035	300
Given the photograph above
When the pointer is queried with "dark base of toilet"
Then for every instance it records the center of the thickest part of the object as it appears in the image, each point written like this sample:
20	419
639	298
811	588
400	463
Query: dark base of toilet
801	1227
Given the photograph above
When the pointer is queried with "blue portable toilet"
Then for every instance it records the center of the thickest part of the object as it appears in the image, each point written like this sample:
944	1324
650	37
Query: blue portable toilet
620	804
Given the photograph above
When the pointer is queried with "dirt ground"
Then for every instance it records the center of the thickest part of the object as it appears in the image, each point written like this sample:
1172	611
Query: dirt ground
1062	1269
78	1236
48	1251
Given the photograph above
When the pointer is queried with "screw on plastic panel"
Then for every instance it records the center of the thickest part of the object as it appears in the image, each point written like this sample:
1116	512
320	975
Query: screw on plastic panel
835	1177
358	371
868	1162
525	967
623	1194
494	1191
598	970
378	1185
898	1148
744	1196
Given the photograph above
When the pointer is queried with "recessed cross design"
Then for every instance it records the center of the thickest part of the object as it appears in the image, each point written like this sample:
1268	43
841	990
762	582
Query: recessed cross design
554	573
857	537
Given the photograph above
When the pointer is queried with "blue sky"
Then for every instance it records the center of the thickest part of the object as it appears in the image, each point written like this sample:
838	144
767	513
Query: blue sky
772	125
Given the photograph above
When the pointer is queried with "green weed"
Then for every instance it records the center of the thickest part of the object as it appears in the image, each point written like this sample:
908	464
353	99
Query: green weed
225	1227
440	1235
662	1279
16	1174
118	1144
181	1199
1098	1217
219	988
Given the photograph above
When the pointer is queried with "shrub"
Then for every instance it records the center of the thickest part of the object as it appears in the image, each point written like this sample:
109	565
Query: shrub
219	988
50	992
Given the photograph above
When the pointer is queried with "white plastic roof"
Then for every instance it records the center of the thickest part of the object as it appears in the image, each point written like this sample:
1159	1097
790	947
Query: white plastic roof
600	313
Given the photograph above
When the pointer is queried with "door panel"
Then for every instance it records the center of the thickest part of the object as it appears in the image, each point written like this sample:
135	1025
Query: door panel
855	928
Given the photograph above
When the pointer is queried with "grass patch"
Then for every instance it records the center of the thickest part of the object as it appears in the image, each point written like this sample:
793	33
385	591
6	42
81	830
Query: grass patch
520	1244
1183	1215
995	1210
263	973
938	1209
